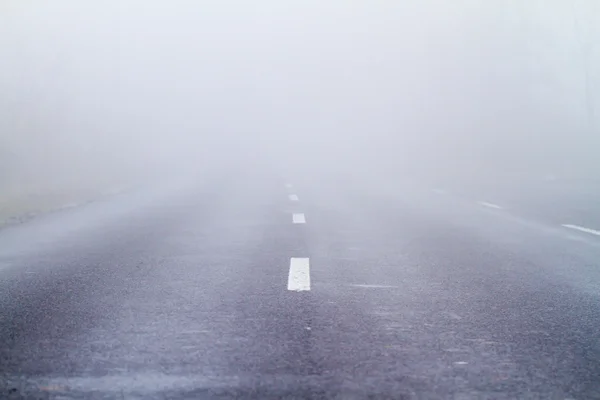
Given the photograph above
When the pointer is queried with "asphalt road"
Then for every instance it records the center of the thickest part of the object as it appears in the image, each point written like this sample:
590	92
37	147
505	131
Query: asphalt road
397	291
560	201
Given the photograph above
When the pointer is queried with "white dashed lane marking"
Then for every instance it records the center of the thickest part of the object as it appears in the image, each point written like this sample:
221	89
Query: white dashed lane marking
293	197
299	277
298	219
582	229
490	205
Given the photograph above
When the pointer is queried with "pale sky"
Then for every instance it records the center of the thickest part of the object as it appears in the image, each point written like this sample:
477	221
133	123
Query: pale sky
435	85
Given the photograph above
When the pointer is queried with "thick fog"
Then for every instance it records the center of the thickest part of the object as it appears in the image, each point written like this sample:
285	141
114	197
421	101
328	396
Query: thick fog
96	90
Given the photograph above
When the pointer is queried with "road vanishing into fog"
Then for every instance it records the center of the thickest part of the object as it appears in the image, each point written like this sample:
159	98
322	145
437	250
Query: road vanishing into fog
255	284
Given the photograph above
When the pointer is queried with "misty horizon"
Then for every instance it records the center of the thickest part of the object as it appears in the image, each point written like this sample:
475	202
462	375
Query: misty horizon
463	90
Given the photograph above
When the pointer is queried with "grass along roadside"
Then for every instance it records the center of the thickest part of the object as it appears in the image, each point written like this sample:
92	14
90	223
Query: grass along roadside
19	203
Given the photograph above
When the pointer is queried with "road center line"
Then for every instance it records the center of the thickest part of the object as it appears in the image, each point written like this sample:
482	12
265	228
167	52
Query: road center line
293	197
299	277
490	205
582	229
298	218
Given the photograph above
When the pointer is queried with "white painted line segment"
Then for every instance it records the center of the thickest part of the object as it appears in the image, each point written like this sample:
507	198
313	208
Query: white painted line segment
490	205
582	229
298	218
299	277
293	197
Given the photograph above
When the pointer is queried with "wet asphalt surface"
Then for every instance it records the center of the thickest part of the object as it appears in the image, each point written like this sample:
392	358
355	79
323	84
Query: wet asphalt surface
180	292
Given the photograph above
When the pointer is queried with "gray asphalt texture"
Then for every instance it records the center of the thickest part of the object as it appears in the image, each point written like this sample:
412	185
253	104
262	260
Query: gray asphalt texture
179	292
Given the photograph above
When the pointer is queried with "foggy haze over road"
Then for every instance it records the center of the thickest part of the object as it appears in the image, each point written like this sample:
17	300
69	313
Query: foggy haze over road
300	199
466	87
